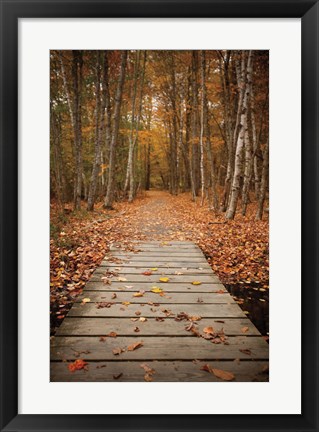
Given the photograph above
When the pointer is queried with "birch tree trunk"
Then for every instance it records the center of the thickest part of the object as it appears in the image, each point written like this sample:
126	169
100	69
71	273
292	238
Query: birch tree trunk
248	149
264	182
239	150
66	89
116	124
77	89
224	63
131	136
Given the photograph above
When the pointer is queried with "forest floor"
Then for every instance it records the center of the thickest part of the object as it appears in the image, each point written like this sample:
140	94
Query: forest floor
238	250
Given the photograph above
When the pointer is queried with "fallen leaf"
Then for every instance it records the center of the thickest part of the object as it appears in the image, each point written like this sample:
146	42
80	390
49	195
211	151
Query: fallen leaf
139	294
121	279
106	280
245	329
224	375
194	317
128	286
126	303
86	300
147	273
219	373
117	376
77	365
164	279
138	313
209	330
112	334
156	290
154	269
114	296
136	329
148	377
101	305
196	283
149	372
142	319
135	346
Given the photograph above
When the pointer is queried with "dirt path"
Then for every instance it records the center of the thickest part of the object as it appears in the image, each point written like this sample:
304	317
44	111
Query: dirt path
159	218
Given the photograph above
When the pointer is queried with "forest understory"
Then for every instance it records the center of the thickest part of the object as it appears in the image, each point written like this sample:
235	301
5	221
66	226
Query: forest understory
237	250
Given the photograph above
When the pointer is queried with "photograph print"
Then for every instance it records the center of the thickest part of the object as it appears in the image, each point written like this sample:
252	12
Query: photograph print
159	215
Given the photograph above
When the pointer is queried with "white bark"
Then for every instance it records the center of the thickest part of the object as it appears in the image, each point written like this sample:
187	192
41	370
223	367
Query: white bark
263	184
239	150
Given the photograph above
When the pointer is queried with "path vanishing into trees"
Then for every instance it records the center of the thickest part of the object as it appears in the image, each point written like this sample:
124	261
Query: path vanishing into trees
155	311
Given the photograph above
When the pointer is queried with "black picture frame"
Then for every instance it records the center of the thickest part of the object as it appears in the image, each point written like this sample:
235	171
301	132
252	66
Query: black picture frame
11	11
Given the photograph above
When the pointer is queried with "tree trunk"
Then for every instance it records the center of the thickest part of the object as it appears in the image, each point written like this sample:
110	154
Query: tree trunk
264	182
209	150
132	190
77	110
131	136
194	124
116	124
98	133
248	149
236	183
203	100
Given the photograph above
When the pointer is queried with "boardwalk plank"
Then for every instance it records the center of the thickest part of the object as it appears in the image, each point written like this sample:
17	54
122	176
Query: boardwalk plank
155	278
149	296
160	258
158	348
164	371
161	271
98	285
151	327
119	310
181	265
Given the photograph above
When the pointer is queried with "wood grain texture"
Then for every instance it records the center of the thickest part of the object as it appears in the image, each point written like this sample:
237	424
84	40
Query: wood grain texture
146	310
156	278
164	371
157	348
150	297
151	327
147	286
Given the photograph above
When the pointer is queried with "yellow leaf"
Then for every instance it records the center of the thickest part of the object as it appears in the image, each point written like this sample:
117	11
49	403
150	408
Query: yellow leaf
138	294
126	303
156	290
86	300
164	279
154	269
196	283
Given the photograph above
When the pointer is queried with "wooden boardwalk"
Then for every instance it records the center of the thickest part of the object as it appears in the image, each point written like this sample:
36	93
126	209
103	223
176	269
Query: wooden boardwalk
130	326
